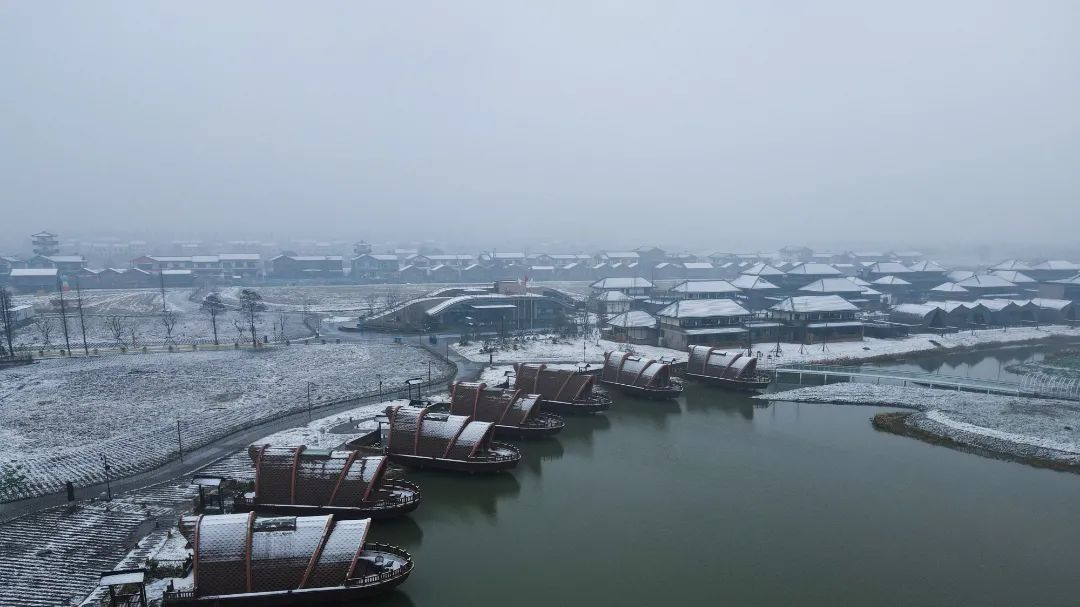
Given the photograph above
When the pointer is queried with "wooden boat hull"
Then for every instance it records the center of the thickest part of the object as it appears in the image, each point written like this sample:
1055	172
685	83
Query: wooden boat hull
742	385
376	510
549	425
646	392
555	406
454	465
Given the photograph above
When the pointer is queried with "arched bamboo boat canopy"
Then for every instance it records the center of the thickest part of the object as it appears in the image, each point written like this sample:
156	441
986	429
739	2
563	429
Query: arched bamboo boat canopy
710	362
317	477
239	553
629	370
555	385
495	405
416	431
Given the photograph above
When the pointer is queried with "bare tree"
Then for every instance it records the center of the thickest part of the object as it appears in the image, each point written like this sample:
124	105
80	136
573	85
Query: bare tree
372	299
213	306
393	296
238	324
116	327
7	321
44	326
168	320
282	320
251	307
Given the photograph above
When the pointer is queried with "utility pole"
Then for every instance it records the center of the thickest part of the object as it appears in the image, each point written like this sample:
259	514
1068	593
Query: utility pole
82	319
108	481
63	313
180	441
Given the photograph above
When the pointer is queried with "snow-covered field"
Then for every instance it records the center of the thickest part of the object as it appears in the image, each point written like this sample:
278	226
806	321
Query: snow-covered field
545	348
114	301
58	416
1018	426
190	327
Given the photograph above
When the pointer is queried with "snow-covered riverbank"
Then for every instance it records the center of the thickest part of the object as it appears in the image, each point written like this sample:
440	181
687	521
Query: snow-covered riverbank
549	348
1029	429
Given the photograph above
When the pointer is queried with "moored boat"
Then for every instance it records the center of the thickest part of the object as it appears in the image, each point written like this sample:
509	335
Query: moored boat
734	371
514	413
304	481
241	560
639	376
423	438
561	390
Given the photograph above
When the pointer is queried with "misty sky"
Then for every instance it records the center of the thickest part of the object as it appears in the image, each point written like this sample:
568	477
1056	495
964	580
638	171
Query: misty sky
618	122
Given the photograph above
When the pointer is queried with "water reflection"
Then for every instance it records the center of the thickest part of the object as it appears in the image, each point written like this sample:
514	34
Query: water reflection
464	495
655	412
401	531
701	397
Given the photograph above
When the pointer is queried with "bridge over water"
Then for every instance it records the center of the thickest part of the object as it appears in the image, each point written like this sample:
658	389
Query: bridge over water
1037	385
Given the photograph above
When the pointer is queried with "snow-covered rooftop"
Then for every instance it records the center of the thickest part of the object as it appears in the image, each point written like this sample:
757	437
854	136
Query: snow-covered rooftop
894	281
815	269
631	282
832	285
949	287
1013	276
889	267
1012	264
752	283
915	309
958	275
926	266
1057	264
697	265
15	272
705	286
613	296
703	308
985	281
762	269
633	319
815	303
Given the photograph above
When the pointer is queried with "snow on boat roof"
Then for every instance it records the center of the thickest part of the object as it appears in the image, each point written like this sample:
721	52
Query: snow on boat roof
622	283
1012	276
815	303
949	287
703	308
751	283
891	280
633	319
705	286
985	281
763	269
832	285
815	269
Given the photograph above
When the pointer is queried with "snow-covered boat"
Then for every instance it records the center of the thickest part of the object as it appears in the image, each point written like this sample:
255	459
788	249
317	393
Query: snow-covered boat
239	559
560	390
638	376
423	438
735	371
304	481
514	413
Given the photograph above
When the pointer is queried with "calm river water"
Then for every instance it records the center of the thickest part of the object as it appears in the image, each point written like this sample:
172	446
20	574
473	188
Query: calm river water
719	499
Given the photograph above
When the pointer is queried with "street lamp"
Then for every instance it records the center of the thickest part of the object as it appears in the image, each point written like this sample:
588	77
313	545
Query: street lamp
378	376
108	481
310	385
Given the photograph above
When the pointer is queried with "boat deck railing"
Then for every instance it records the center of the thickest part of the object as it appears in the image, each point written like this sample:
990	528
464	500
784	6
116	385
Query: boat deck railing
388	574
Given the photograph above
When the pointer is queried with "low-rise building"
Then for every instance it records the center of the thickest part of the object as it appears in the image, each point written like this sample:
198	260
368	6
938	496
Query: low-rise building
294	267
374	268
29	280
710	322
817	318
635	327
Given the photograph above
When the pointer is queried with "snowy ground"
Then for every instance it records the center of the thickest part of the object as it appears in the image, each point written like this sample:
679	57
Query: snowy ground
57	416
1017	426
547	348
543	348
191	327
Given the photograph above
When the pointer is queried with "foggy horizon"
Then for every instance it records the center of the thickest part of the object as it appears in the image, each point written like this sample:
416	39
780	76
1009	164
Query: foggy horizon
604	124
